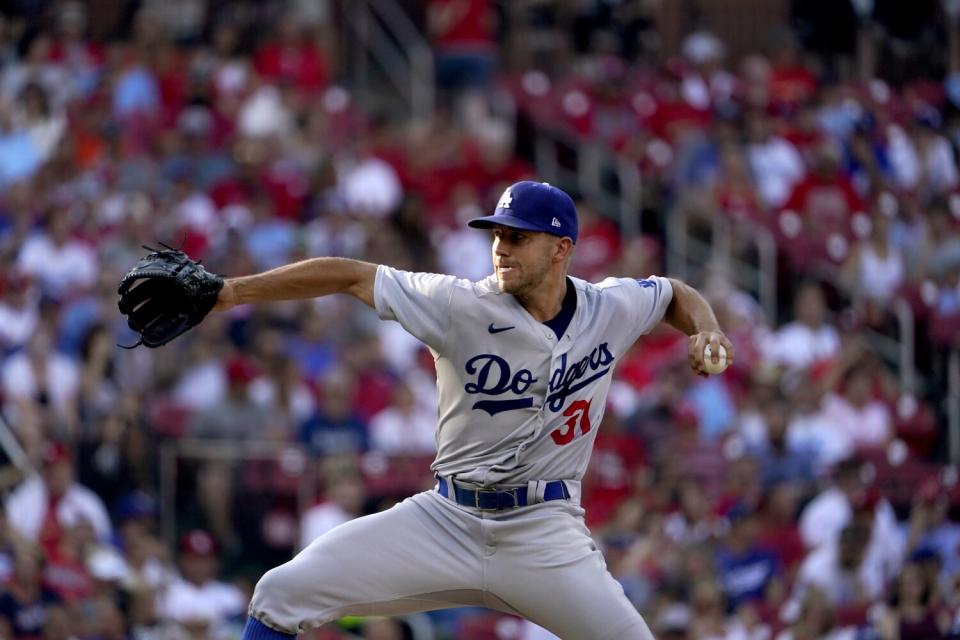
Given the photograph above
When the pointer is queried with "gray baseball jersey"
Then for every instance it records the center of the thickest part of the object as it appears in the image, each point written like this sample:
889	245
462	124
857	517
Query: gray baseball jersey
515	402
517	406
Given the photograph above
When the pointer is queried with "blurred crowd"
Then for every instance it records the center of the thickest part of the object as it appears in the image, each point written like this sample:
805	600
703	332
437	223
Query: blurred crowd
803	494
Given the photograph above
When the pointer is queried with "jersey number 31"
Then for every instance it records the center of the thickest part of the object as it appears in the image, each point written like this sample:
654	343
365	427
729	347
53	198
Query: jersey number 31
578	413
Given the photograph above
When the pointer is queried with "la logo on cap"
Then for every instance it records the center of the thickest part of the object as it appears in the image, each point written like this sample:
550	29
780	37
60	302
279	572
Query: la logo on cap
505	200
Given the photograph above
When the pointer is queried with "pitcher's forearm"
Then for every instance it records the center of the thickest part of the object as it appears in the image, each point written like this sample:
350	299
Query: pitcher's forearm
310	278
689	311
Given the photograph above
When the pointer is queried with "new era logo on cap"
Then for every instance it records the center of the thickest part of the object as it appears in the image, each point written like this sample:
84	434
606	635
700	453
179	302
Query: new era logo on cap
534	206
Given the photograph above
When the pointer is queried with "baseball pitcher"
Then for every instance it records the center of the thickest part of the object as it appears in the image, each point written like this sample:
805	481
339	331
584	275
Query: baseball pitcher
524	361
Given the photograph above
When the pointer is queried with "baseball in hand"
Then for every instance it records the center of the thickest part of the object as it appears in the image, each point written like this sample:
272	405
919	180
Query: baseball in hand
708	364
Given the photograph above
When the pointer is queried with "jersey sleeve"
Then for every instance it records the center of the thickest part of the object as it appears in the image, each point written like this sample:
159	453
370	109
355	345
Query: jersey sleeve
420	302
647	301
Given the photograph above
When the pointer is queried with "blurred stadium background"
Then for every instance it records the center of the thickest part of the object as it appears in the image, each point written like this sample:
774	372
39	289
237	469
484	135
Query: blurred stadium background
795	159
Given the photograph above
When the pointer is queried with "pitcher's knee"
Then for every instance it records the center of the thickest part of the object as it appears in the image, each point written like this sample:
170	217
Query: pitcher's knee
277	599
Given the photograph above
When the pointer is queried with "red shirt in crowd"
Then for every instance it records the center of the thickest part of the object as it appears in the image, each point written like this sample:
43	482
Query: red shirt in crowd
791	86
302	64
825	203
609	478
469	28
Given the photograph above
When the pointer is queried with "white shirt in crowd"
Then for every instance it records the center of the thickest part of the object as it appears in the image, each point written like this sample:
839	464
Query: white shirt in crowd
867	426
879	278
369	186
212	602
797	346
263	393
28	505
394	431
201	387
62	373
17	324
825	517
465	252
821	569
777	166
319	519
815	433
64	269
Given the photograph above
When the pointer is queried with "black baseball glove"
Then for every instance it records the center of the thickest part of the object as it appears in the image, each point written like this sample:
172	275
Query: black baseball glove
166	294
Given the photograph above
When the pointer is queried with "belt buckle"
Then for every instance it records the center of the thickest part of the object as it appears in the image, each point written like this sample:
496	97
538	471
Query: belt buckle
476	499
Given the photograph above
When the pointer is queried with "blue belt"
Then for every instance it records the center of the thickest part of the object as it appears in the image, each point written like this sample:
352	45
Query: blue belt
499	499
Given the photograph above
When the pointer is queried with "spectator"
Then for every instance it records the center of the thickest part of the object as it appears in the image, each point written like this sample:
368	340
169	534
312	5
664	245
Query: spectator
237	417
292	56
25	603
598	244
45	503
745	569
404	427
707	603
854	409
335	429
282	392
692	522
779	531
867	159
775	163
271	239
809	338
825	199
18	311
9	541
38	118
343	500
810	617
780	459
369	185
937	165
912	614
942	255
840	572
809	429
198	601
462	36
734	192
463	251
136	93
20	157
62	265
35	65
876	269
825	516
931	530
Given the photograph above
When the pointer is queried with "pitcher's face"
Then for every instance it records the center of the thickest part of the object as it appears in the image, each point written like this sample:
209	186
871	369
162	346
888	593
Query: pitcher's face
521	259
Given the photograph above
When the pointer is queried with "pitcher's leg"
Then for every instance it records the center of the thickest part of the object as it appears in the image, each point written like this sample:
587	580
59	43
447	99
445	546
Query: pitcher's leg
548	568
417	556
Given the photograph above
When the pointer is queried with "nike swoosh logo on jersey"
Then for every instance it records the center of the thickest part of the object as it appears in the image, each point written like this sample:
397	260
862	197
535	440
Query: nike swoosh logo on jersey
493	407
493	329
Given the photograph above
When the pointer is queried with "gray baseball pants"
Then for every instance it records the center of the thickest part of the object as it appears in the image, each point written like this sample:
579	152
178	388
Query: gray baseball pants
426	553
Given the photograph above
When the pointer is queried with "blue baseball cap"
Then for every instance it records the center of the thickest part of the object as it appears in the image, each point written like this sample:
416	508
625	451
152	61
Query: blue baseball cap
534	206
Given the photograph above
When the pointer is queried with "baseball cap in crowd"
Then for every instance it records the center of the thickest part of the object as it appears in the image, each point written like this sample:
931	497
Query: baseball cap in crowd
241	370
199	543
534	206
55	452
135	505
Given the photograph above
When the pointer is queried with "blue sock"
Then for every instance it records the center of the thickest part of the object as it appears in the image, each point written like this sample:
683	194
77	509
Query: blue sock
256	630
